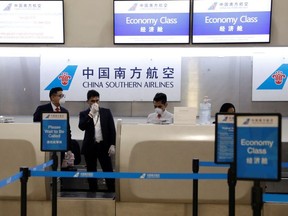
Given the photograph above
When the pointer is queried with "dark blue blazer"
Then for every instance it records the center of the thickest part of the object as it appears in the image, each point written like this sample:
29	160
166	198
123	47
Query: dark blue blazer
86	124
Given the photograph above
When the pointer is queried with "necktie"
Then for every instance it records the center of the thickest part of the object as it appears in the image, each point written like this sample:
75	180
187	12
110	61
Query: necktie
57	109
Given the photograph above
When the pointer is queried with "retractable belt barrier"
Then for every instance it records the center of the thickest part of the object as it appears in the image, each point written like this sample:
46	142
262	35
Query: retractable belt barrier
37	171
19	175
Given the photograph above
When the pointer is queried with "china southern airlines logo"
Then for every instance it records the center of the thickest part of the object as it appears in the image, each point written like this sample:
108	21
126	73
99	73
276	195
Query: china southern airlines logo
8	7
276	80
133	8
225	119
64	79
246	122
47	117
213	6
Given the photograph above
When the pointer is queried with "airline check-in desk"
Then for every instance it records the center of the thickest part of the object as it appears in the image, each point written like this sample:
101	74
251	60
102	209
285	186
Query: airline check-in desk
20	147
170	149
140	148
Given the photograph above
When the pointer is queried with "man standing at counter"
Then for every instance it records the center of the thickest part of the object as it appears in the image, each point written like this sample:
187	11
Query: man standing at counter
56	99
161	115
99	139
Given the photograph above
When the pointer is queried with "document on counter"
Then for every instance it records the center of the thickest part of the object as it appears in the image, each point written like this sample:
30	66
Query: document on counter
185	115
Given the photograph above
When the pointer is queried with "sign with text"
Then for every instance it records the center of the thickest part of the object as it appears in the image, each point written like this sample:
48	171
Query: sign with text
117	74
54	128
224	138
233	21
40	21
258	146
154	21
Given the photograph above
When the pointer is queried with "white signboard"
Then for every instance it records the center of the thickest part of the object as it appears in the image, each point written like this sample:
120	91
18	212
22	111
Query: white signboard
117	74
269	78
32	21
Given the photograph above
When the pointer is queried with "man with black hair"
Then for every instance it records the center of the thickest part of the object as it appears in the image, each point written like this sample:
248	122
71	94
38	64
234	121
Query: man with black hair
99	139
161	115
57	98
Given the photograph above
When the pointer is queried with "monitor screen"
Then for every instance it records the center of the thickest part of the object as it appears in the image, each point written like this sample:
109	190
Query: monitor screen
151	22
32	21
231	21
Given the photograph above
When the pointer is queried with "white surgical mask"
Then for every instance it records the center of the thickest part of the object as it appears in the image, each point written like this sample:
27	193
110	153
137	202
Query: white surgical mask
95	106
159	111
62	100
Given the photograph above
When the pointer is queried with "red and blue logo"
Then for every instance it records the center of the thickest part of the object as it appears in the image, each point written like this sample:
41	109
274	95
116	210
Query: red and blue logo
64	79
276	80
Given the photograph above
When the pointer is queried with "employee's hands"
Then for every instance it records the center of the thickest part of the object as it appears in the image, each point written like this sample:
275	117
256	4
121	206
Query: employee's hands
94	109
111	150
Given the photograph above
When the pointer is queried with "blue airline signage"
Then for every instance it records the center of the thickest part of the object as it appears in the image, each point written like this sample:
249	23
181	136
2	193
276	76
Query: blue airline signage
224	138
258	146
234	21
151	21
54	129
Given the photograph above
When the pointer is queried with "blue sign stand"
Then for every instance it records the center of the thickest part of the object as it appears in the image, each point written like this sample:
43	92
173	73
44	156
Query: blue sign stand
54	127
224	151
54	137
258	146
224	138
258	151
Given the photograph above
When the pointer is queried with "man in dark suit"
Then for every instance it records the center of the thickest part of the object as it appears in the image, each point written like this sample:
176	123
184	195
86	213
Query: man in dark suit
55	95
99	139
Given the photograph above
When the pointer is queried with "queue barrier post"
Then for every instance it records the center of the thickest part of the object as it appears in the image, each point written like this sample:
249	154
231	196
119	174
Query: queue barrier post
257	198
54	184
195	167
24	180
232	184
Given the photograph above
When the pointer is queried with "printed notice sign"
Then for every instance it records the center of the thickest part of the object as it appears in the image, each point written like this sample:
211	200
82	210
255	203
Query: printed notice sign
258	146
224	141
54	129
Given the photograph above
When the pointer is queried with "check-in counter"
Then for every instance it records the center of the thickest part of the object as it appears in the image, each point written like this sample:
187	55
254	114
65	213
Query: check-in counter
170	149
20	147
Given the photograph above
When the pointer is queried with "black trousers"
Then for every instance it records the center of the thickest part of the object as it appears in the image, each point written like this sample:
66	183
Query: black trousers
99	151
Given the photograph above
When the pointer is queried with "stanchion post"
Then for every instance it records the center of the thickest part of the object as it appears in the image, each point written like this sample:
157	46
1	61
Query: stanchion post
257	198
54	184
195	167
232	184
24	180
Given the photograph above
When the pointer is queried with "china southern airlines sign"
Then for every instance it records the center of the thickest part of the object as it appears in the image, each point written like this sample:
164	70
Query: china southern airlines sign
118	74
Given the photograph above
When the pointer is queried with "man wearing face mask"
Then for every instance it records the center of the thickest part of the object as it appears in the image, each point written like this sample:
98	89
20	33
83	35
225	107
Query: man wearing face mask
57	98
161	115
99	139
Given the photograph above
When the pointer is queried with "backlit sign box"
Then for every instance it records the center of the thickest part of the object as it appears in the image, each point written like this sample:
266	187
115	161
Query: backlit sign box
231	21
152	22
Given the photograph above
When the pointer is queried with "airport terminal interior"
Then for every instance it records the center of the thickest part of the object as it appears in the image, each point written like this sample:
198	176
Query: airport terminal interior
153	163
